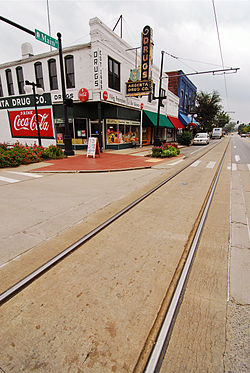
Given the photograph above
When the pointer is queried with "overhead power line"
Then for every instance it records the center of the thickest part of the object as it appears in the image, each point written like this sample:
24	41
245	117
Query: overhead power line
219	41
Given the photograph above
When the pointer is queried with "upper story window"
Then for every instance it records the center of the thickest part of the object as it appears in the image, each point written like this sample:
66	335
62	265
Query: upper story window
1	88
182	98
151	96
163	94
114	74
20	80
39	74
52	74
186	101
10	85
69	71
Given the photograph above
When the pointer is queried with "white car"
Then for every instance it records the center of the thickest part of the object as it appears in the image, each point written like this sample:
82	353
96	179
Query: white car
201	139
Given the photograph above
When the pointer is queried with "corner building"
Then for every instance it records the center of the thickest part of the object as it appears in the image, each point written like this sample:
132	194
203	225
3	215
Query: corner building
95	76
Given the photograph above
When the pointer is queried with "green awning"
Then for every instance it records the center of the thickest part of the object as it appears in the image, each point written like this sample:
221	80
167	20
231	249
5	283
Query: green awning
163	122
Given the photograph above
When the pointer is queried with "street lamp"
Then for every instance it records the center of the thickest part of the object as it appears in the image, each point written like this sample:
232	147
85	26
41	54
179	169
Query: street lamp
39	92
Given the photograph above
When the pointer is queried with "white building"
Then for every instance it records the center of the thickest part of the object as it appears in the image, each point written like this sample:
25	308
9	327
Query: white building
95	74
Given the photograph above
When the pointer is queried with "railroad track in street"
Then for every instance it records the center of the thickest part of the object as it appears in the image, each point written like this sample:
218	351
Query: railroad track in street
156	342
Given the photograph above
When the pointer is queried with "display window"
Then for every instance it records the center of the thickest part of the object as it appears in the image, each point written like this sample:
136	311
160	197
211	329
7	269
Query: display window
80	131
119	133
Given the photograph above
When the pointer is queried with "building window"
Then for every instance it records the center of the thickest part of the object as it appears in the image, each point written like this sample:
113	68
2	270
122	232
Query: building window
163	94
52	74
39	74
181	98
186	102
1	88
151	96
69	71
10	85
20	80
114	74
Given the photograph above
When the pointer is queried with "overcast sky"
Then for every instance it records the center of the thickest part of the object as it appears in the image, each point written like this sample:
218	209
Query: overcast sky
185	29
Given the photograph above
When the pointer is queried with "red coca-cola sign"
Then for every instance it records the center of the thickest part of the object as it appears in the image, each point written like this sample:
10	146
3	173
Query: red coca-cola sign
83	94
105	95
23	123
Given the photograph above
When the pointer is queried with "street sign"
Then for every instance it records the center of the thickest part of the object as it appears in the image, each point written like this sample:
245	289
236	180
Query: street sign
41	36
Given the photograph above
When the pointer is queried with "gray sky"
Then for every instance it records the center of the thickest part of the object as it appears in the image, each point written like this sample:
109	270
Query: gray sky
185	29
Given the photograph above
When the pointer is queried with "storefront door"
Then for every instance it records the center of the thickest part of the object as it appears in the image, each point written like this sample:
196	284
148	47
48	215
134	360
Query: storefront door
94	130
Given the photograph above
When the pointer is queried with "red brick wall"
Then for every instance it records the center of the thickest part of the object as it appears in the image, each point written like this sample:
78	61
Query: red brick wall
173	82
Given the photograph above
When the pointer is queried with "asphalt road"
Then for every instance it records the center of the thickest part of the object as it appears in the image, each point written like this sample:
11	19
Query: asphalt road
240	150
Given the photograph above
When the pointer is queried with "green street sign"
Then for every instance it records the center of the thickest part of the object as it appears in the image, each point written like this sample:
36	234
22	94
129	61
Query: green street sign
41	36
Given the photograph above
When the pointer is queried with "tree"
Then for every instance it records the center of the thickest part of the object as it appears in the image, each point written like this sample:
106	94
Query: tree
221	119
208	109
230	127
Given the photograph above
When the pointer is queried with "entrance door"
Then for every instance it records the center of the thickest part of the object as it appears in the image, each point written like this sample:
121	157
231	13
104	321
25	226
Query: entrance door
94	128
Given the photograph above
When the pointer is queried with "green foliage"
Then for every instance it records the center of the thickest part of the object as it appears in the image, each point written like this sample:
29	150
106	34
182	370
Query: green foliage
245	129
17	154
52	152
165	151
230	127
185	138
209	111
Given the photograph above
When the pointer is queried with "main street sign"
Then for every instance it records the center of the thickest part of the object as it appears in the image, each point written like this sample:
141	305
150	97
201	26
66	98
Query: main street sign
41	36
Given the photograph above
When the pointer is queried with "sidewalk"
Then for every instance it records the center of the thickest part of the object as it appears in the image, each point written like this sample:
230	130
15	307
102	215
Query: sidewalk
109	160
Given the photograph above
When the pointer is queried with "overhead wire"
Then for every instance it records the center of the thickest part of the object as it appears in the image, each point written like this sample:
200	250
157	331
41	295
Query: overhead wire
220	48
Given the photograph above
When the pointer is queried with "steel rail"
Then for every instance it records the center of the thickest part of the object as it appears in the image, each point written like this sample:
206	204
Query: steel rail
154	362
10	292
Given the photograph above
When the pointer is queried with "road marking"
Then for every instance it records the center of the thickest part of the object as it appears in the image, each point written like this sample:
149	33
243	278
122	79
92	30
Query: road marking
196	151
195	164
25	174
211	164
248	166
234	167
7	180
179	161
237	158
234	146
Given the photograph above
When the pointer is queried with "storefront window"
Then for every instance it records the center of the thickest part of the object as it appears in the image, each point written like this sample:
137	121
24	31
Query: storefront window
119	133
80	129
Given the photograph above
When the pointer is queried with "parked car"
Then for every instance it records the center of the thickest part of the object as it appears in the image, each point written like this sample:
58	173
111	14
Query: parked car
201	139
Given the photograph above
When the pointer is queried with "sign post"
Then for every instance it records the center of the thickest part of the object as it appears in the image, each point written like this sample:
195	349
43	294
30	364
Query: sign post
44	38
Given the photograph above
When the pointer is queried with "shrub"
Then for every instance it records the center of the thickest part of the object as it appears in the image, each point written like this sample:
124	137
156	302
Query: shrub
165	151
52	152
185	138
17	154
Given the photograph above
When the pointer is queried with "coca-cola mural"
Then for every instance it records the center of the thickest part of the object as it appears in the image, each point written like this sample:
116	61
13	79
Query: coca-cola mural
23	123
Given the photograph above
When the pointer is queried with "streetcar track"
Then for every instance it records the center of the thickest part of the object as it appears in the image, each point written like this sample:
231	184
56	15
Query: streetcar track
155	347
16	288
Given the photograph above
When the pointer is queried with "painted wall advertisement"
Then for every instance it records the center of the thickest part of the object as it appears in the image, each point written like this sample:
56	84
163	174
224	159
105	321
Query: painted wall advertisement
23	122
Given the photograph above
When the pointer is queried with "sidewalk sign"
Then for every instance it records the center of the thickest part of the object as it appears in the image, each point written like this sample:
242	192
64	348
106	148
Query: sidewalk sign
93	147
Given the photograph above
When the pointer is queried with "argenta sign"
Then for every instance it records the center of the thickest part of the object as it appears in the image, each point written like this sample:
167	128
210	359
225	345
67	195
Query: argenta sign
141	84
14	102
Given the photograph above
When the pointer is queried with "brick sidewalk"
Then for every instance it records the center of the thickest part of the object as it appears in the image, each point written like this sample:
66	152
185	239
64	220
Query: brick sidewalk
106	162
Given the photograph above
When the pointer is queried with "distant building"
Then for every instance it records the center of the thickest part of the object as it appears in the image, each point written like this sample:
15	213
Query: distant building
95	74
182	86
